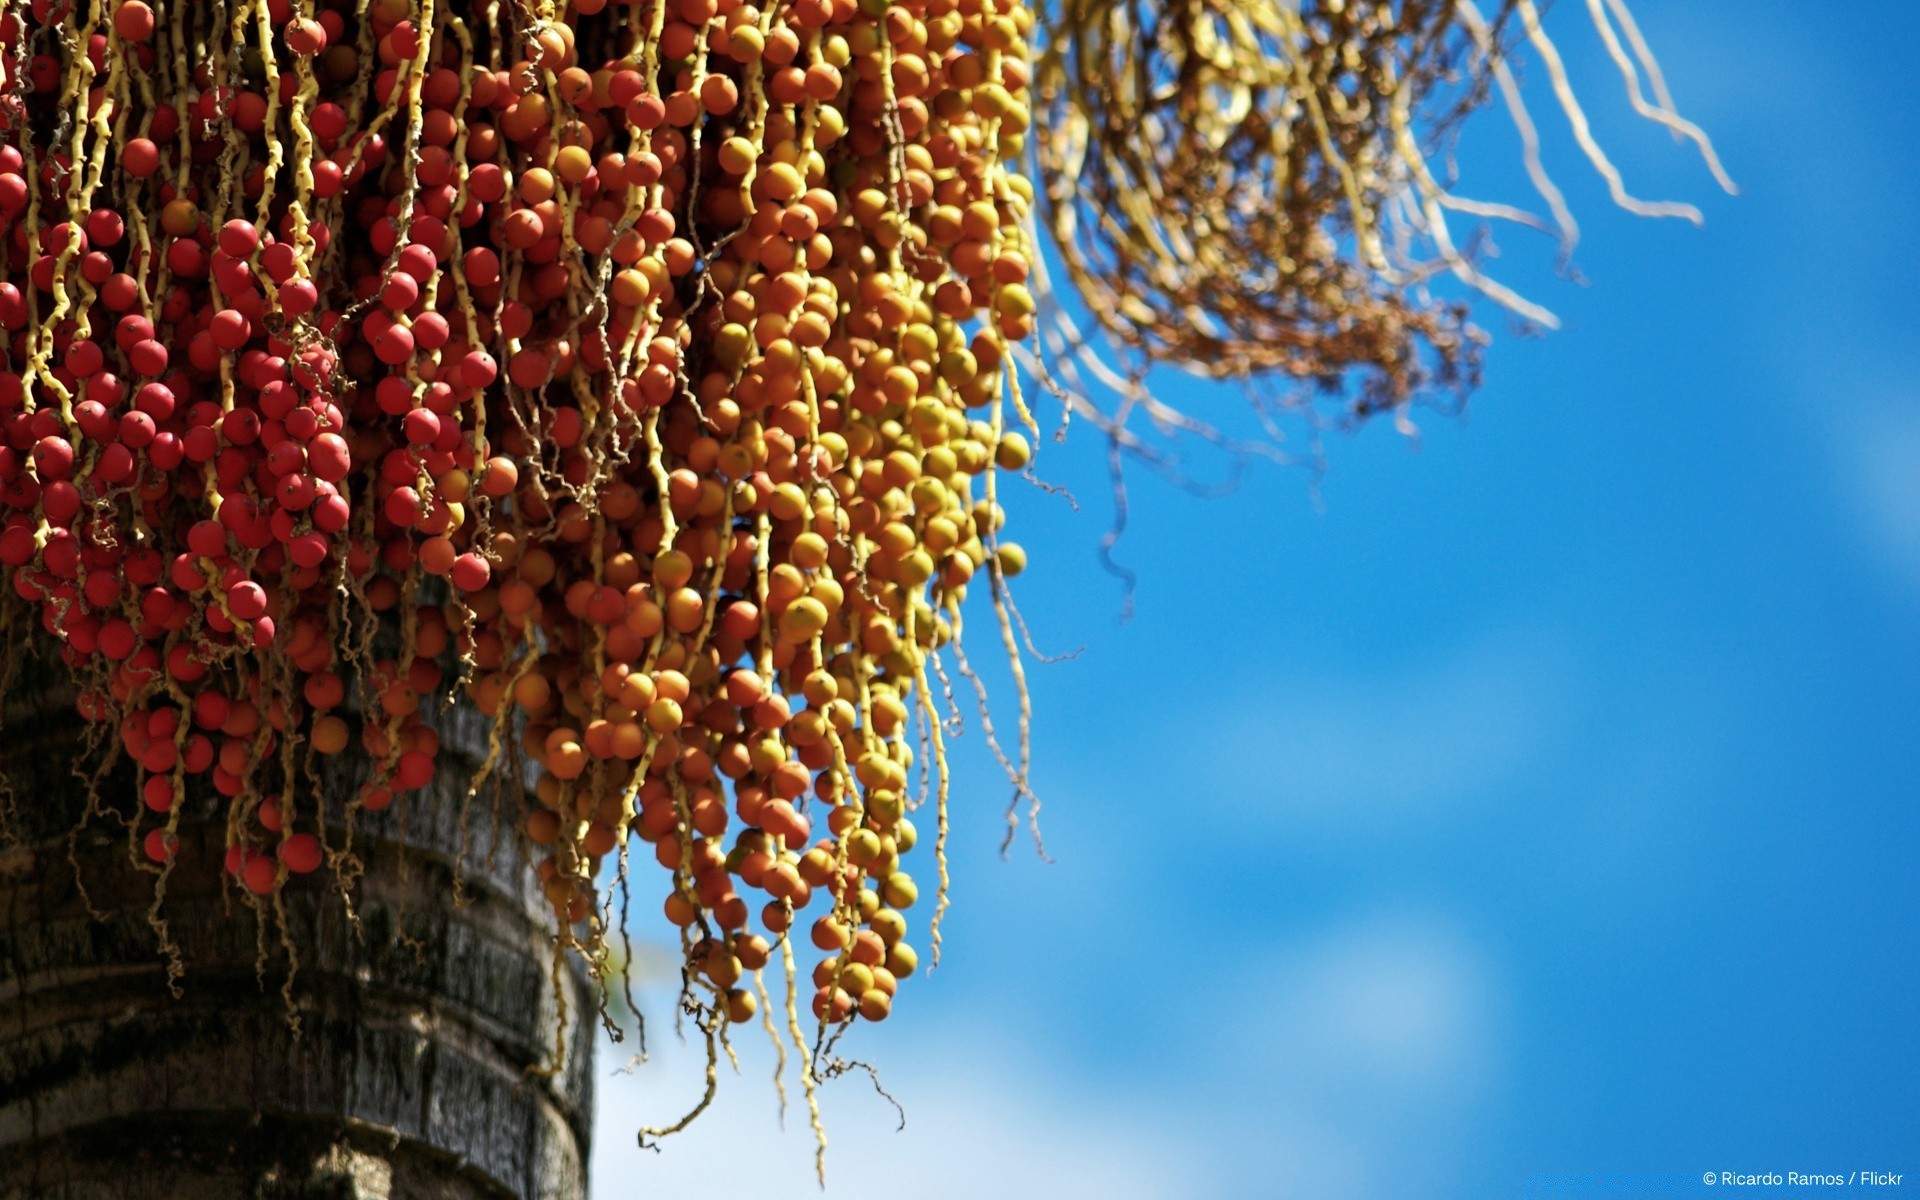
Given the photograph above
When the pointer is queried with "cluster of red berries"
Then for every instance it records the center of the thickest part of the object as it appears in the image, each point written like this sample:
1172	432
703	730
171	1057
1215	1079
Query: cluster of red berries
632	368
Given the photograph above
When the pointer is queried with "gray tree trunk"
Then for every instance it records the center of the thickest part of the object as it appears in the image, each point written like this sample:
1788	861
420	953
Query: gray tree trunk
407	1077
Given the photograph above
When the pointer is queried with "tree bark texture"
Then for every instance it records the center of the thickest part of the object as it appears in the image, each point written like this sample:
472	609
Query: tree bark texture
395	1066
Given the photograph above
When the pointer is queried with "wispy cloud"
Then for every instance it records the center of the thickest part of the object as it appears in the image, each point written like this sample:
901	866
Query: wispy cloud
1879	463
1367	750
979	1124
1367	1056
1353	1066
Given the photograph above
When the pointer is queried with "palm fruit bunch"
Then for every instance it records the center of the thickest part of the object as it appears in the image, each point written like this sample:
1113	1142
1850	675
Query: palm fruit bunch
637	374
637	371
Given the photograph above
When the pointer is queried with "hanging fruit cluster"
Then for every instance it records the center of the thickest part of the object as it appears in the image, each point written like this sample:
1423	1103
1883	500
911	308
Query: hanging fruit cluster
640	370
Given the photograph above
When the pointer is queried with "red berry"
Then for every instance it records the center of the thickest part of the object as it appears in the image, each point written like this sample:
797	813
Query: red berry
478	369
155	399
148	357
259	874
94	420
308	550
470	572
301	853
53	457
105	227
238	238
186	258
139	156
84	359
487	182
285	456
306	36
280	262
298	297
183	665
482	266
133	20
431	331
117	639
330	513
415	770
294	492
401	292
247	600
419	262
210	710
329	457
13	306
198	755
115	464
159	757
229	329
16	546
393	345
157	793
422	426
403	506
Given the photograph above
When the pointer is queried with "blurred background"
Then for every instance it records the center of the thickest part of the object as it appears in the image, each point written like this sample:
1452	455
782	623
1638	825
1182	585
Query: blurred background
1533	795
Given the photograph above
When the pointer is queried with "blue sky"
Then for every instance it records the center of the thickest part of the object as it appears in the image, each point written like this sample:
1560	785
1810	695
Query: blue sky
1538	797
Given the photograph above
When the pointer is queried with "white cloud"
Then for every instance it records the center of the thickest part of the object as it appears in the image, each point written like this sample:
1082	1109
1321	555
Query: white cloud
1350	749
1392	1010
1375	1049
977	1125
1879	461
1353	1065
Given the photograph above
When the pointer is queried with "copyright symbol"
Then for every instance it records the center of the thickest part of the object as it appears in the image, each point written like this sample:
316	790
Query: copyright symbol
1707	1179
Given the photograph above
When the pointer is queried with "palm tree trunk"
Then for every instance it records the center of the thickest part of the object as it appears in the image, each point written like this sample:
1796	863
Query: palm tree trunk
395	1066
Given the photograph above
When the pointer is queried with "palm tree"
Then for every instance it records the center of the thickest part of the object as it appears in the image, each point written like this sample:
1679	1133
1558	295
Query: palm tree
401	1059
